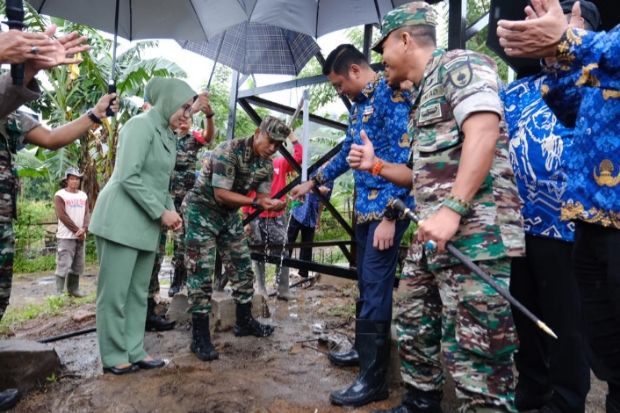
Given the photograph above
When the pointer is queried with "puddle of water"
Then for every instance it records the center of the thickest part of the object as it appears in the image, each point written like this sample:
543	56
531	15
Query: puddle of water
47	280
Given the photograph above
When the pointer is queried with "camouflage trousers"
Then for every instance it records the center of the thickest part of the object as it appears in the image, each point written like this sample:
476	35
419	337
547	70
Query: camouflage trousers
159	259
7	251
207	230
454	312
178	259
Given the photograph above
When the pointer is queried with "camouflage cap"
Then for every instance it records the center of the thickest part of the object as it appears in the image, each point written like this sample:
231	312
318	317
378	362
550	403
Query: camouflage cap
410	14
276	129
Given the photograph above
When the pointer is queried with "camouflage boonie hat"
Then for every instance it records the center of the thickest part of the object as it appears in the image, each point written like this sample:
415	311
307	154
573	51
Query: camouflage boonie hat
276	129
410	14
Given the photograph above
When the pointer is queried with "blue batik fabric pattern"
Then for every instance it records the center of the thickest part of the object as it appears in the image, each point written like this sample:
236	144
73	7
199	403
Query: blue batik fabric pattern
308	212
585	82
383	114
539	145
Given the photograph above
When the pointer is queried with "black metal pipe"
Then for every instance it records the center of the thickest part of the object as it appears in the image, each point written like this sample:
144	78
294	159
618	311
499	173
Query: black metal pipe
68	335
452	249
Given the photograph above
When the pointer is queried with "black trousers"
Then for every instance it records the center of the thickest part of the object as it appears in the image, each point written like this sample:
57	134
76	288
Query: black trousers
307	235
544	282
597	269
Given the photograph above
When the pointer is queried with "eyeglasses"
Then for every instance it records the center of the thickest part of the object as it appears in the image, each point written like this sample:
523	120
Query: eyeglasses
187	110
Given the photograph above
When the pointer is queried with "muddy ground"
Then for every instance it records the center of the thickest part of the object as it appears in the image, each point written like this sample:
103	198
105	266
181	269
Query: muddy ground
267	375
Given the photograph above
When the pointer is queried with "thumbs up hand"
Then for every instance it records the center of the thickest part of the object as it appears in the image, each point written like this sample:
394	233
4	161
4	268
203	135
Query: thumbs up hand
362	157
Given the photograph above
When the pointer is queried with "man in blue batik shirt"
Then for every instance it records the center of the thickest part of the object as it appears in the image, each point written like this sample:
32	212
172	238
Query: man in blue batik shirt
382	113
583	90
543	280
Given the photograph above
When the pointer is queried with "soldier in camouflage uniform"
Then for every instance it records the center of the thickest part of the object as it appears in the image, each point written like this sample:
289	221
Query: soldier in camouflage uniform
19	47
465	192
212	220
182	180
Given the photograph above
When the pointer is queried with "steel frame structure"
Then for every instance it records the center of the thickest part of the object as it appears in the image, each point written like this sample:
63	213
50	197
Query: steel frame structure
458	34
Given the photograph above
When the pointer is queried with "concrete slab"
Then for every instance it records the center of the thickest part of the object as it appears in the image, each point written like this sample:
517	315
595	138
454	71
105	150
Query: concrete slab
26	365
223	315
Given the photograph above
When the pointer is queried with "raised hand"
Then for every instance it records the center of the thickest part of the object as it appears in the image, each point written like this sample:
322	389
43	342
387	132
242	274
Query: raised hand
537	36
17	46
65	49
202	103
362	157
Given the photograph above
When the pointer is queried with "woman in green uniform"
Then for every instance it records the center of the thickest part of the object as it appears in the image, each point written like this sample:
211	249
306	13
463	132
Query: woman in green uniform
127	221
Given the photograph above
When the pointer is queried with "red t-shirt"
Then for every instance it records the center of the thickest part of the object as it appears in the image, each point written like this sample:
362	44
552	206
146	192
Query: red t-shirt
281	168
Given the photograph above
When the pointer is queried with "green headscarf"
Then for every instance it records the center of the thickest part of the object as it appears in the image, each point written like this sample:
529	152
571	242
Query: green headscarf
167	95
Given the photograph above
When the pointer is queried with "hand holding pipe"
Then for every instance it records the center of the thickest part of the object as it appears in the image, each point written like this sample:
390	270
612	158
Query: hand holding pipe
400	206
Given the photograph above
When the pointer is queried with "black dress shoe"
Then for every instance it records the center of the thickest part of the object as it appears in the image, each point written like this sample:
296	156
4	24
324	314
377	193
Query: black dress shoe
114	370
153	364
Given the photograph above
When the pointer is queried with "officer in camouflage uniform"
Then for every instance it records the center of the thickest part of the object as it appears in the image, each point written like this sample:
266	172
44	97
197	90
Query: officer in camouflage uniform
182	180
465	192
13	132
212	220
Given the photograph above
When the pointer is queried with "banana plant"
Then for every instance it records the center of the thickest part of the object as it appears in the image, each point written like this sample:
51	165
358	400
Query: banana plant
69	91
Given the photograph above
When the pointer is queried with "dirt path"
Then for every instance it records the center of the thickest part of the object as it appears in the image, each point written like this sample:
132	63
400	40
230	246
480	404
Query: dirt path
269	375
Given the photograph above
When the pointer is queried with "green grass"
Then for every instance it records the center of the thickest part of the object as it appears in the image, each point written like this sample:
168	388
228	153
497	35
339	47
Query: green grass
52	306
344	311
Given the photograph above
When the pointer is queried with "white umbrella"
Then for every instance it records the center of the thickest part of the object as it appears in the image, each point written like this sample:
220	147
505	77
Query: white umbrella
318	17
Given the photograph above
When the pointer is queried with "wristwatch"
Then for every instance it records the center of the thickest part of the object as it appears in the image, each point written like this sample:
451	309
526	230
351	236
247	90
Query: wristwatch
254	203
390	214
93	117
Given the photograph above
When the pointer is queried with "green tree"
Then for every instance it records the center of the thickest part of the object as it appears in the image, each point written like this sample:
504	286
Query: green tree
68	92
475	10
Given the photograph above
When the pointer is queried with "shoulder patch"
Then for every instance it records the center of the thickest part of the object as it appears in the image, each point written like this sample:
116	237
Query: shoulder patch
461	77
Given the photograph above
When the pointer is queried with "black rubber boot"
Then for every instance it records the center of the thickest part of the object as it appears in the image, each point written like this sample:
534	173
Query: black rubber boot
417	401
177	281
156	322
349	358
9	398
247	325
201	345
373	345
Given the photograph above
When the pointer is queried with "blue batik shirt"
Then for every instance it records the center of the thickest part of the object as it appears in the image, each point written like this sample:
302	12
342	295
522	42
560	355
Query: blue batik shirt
308	212
539	145
583	90
383	114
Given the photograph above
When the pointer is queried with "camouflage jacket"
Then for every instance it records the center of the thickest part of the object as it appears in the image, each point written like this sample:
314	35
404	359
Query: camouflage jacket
13	130
233	166
184	175
455	85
